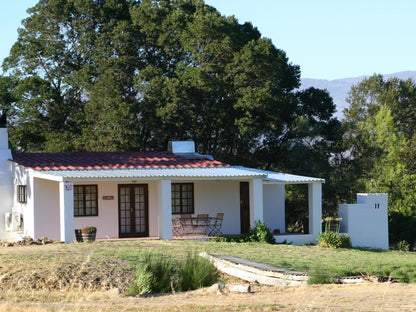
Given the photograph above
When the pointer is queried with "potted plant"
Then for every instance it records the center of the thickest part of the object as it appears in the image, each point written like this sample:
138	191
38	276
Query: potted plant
78	235
88	233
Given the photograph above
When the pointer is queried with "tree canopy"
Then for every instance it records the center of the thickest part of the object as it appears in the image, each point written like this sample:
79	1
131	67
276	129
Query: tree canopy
122	75
128	75
380	134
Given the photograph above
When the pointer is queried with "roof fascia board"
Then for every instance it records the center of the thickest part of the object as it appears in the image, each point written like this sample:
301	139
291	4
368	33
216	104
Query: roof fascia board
322	181
139	179
45	176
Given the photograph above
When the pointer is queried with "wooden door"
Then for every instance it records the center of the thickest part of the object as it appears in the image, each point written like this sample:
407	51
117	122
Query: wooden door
244	207
133	210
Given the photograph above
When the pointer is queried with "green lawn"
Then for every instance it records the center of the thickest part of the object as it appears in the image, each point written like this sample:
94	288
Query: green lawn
124	255
300	258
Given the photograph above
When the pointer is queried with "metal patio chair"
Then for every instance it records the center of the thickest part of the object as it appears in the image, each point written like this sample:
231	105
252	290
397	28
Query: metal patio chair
215	225
201	224
177	227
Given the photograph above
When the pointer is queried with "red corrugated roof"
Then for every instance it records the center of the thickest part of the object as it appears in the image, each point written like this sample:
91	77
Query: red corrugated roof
109	160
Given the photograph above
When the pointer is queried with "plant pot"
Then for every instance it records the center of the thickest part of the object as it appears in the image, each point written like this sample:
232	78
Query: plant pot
78	236
88	237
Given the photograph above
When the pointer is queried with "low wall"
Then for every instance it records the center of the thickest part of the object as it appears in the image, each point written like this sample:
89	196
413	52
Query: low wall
367	221
296	239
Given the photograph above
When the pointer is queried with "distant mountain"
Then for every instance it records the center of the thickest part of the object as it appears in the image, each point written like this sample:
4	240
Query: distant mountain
339	88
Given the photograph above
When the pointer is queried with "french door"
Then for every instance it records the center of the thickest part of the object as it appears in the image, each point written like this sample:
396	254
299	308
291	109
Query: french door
133	210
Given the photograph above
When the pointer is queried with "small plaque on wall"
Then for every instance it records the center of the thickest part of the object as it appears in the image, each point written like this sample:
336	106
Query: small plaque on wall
108	197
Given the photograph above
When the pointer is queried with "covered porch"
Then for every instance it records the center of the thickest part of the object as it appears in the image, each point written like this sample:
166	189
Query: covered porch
243	195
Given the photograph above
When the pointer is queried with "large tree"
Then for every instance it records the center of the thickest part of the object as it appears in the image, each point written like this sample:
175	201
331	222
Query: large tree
380	131
74	61
130	75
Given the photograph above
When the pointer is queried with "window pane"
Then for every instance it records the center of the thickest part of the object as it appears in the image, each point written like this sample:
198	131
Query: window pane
85	200
182	197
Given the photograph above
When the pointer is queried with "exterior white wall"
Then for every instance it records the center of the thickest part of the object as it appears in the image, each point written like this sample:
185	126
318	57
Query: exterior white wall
213	197
22	176
107	220
367	221
274	206
6	184
46	220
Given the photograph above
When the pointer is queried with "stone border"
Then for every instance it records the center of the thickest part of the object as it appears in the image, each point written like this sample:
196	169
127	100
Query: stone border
256	272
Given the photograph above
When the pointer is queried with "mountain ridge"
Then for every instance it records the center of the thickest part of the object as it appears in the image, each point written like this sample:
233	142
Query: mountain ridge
339	88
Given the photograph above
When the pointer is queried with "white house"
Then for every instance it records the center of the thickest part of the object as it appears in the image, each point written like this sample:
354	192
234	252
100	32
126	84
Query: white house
135	194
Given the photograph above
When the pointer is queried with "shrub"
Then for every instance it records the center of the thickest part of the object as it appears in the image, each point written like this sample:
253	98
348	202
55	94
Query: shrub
402	246
90	229
196	272
154	275
328	239
331	239
260	233
345	241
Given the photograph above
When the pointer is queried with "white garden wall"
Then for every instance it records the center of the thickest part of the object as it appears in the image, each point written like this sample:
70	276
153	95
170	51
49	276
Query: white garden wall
367	221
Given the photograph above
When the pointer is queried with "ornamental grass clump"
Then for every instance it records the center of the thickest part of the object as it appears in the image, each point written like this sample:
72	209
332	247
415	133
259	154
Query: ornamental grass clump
318	275
196	272
154	275
160	274
331	238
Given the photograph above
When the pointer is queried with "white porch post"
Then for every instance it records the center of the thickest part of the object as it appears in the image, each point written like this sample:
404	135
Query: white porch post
165	209
66	211
256	201
315	207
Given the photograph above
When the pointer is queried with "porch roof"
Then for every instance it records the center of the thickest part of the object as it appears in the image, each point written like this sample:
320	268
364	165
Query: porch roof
150	174
284	178
215	173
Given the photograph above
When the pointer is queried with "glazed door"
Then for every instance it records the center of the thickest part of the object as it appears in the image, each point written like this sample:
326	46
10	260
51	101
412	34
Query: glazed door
133	210
244	207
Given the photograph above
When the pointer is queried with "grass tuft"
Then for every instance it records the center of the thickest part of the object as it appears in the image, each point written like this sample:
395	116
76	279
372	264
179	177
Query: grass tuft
196	272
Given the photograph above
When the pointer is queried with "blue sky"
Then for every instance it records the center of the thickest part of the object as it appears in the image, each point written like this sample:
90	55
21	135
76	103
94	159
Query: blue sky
328	39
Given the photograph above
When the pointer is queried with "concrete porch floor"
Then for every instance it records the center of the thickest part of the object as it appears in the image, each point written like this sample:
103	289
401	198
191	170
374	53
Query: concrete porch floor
182	237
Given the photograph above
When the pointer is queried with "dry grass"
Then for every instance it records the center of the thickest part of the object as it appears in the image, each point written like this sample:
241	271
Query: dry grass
76	277
364	297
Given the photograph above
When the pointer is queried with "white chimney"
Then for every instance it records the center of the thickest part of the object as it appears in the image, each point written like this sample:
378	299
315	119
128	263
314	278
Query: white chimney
4	139
181	147
6	182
